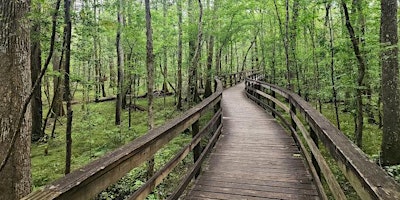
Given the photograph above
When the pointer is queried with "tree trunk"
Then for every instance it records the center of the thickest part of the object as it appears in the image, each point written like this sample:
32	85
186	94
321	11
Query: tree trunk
361	73
120	58
390	93
285	41
15	78
165	53
58	108
293	41
150	80
332	64
179	8
67	41
208	90
192	82
36	65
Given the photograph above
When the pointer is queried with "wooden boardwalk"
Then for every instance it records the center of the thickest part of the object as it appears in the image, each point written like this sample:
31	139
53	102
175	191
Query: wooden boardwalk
254	158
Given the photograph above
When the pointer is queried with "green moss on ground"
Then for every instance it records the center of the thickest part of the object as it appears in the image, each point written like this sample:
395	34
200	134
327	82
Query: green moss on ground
94	134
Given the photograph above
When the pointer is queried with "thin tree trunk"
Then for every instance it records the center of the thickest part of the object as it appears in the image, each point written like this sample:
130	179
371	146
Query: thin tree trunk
361	74
179	7
165	53
150	80
332	64
67	41
293	40
120	58
245	55
285	41
58	108
316	62
210	56
36	64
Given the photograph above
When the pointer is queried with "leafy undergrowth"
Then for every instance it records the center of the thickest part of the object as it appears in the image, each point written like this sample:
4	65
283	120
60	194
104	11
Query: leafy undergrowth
372	139
372	134
94	134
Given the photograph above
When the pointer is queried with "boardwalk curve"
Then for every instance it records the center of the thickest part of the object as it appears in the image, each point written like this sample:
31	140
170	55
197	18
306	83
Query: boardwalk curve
254	159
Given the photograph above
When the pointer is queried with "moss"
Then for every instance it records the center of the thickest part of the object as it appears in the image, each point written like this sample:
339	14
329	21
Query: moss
94	134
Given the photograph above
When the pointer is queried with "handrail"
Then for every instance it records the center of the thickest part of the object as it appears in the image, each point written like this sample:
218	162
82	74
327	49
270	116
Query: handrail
367	178
232	79
88	181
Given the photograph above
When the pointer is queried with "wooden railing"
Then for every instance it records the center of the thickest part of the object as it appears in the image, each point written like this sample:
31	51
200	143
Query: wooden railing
367	178
229	80
88	181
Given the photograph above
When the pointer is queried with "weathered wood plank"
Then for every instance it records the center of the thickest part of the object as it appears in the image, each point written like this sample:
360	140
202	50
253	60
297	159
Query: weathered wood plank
255	158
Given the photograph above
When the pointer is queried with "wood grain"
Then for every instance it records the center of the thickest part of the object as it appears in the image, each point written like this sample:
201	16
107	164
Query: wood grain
255	158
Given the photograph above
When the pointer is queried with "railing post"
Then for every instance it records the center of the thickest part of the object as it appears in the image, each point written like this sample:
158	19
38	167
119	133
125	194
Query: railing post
257	87
293	110
314	137
235	76
225	86
197	148
273	94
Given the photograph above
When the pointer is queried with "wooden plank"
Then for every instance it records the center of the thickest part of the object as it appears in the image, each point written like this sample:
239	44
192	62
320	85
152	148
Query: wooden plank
272	183
256	187
221	196
282	194
254	157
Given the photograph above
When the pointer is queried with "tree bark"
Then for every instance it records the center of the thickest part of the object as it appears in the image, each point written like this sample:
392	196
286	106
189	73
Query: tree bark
15	87
390	91
208	90
329	23
361	74
165	52
179	8
293	46
36	64
67	41
150	80
120	60
58	108
193	62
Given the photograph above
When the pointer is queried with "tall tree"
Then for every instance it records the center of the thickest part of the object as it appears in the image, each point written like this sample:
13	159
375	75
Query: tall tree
15	87
36	63
284	37
165	52
67	49
120	60
207	90
360	79
390	80
150	79
329	25
179	90
192	82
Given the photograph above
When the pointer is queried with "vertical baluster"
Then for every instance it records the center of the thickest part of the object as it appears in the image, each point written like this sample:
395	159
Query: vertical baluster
273	94
314	161
293	110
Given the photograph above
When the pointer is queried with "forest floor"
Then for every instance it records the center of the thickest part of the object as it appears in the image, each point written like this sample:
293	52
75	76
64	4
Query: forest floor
94	134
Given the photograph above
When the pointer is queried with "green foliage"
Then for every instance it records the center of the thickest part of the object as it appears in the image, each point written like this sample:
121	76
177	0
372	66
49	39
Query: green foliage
394	171
94	134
